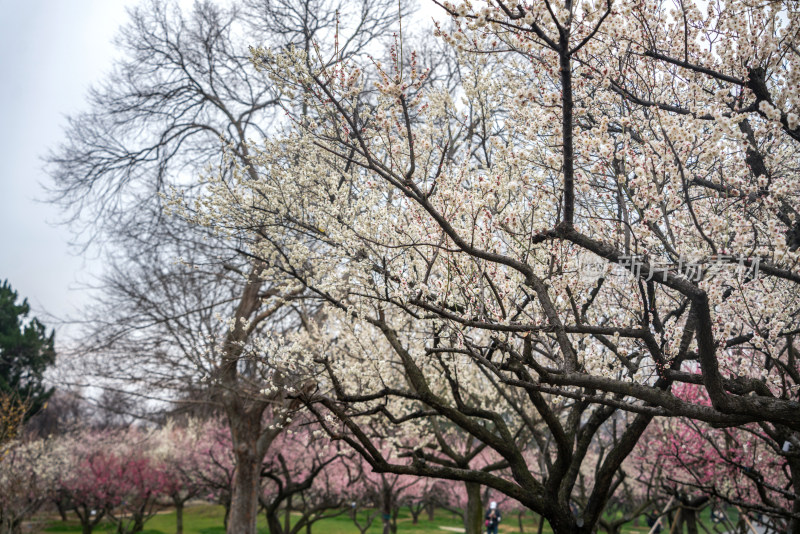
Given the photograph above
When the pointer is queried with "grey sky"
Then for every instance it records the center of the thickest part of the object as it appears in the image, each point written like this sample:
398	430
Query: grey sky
51	51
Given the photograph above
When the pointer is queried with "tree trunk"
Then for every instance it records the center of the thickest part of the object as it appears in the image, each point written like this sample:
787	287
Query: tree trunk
245	424
677	523
691	522
473	515
244	498
431	509
88	522
564	522
273	522
386	508
10	526
794	523
62	510
415	511
178	515
287	515
244	418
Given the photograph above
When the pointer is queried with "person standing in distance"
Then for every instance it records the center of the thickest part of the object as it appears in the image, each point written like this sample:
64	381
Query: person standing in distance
493	518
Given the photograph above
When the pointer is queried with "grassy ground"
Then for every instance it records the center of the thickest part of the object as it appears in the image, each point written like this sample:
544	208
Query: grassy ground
208	519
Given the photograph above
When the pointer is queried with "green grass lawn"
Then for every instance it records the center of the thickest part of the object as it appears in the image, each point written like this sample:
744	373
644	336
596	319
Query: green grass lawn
208	519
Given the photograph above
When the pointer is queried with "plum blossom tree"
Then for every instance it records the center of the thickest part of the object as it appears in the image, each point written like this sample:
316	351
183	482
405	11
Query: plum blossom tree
304	480
27	472
85	486
388	493
653	139
213	463
176	448
183	89
698	464
111	475
430	494
377	497
140	481
465	452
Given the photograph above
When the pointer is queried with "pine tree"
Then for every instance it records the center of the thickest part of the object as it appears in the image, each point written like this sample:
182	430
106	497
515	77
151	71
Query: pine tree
26	350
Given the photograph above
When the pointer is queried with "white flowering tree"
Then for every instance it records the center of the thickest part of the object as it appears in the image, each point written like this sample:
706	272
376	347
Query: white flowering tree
28	470
619	218
180	449
183	88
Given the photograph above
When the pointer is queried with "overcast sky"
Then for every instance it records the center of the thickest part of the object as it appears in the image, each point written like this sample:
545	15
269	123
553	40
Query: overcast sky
51	51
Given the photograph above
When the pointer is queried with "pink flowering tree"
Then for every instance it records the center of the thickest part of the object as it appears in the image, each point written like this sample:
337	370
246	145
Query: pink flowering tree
450	447
428	495
389	492
111	475
140	480
213	464
87	484
744	466
384	493
304	480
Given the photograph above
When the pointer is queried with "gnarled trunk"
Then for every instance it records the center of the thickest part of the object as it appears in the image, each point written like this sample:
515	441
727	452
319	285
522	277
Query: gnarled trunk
244	502
62	509
565	524
244	418
416	509
246	475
